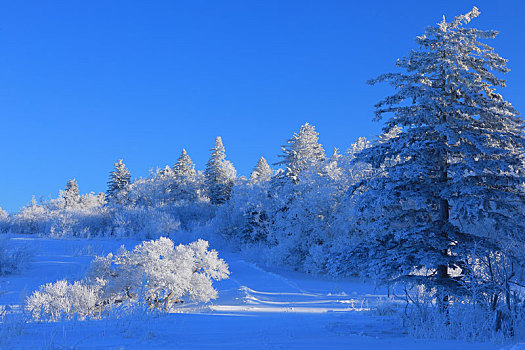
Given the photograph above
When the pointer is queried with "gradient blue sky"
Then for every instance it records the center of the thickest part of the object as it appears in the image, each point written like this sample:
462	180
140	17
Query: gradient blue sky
84	83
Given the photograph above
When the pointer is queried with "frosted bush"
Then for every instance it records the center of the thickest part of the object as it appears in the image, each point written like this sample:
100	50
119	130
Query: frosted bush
465	318
84	218
140	222
160	272
192	214
62	299
155	273
80	222
12	259
31	219
244	218
464	321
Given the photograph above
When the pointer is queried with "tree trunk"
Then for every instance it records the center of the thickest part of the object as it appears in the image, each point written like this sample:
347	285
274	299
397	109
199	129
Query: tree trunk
442	270
444	207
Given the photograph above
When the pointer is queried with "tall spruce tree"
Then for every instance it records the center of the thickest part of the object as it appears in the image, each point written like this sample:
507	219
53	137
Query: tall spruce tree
219	174
119	179
449	186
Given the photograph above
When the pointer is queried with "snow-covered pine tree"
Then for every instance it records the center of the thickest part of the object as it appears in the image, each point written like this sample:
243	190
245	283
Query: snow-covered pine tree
185	185
71	194
119	179
261	172
301	153
184	169
456	164
219	174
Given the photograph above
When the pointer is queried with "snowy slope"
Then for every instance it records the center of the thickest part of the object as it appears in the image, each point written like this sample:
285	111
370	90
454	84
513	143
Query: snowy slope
257	309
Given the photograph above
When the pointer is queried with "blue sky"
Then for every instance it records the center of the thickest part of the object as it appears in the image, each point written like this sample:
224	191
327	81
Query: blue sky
84	83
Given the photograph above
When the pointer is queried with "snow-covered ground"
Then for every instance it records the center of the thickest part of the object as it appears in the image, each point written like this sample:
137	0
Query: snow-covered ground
257	309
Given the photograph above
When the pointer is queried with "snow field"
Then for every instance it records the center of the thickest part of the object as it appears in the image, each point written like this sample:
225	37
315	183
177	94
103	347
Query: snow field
257	308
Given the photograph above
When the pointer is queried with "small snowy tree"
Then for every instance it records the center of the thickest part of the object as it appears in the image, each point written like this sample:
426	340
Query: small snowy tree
4	221
219	174
261	172
71	194
455	161
185	185
184	169
119	179
301	153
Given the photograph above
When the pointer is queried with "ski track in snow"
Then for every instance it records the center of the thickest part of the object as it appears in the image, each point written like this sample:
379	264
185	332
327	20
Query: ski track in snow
269	292
257	308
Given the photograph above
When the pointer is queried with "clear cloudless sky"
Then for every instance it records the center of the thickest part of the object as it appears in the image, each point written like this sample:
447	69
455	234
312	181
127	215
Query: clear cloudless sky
84	83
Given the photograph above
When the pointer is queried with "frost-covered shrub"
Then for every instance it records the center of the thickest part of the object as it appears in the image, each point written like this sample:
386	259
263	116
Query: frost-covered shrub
13	259
160	272
465	318
142	222
174	196
155	206
81	222
155	273
466	322
31	219
63	299
471	322
244	219
164	187
86	216
192	214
